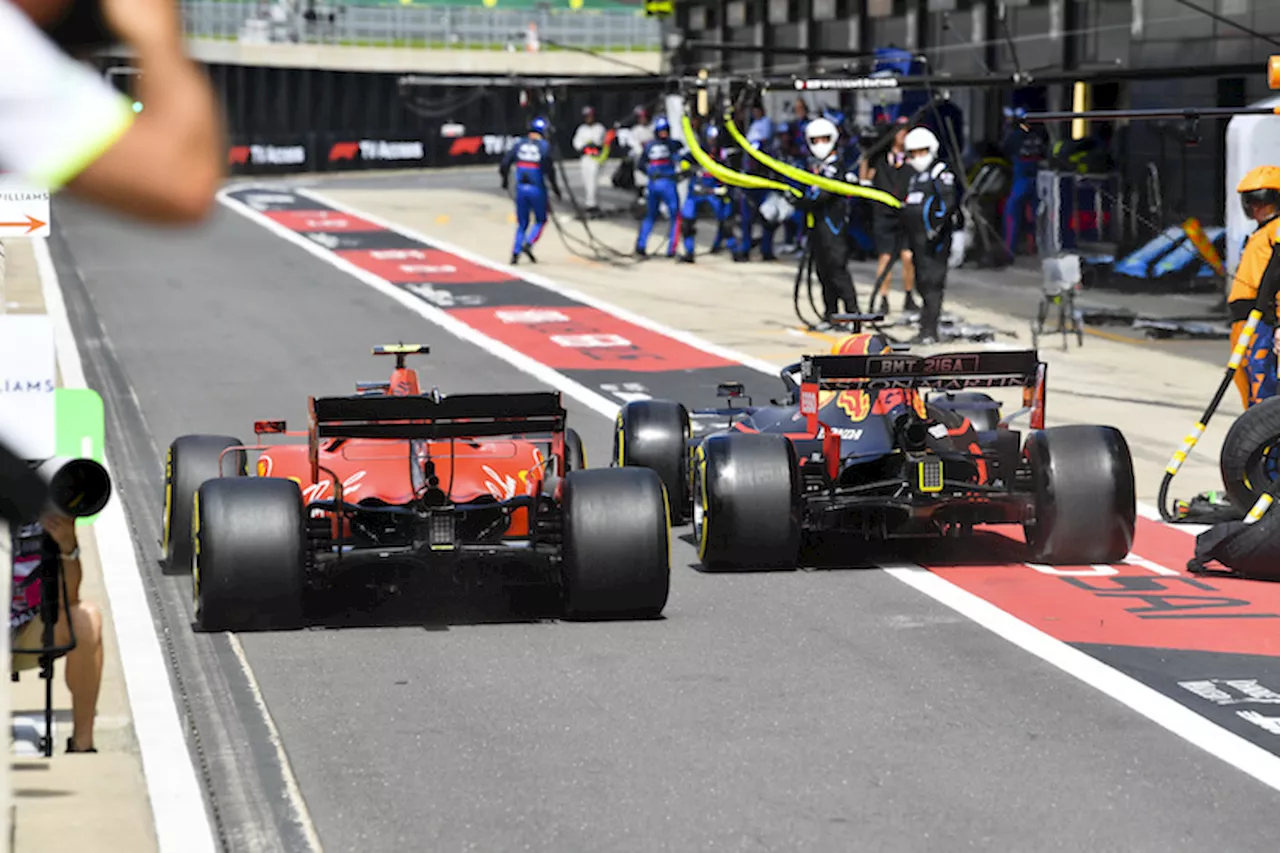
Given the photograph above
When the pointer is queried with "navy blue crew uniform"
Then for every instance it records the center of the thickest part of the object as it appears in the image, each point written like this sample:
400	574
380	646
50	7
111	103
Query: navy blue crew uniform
830	218
704	191
930	216
659	159
535	170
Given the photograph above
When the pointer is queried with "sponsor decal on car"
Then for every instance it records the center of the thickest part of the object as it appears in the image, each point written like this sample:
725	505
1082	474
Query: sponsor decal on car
855	404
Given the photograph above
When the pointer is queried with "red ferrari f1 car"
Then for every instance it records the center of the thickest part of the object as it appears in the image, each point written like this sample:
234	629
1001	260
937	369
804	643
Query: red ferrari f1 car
393	476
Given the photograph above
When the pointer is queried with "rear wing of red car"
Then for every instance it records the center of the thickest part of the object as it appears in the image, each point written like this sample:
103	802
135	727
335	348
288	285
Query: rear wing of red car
454	416
942	372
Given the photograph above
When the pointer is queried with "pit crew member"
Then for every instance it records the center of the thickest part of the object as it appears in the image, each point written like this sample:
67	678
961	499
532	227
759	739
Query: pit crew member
828	217
658	160
532	158
1258	271
930	215
704	192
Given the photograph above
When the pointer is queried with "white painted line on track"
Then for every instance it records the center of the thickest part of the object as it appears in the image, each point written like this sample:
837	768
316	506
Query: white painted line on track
1178	719
1150	703
177	804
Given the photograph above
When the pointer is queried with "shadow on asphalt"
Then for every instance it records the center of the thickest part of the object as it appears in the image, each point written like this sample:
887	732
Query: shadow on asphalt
841	552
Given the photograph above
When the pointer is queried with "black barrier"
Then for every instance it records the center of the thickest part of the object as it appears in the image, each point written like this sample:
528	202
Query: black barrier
346	152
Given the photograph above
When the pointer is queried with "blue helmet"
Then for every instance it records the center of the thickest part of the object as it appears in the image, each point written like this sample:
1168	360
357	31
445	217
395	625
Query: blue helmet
539	125
661	125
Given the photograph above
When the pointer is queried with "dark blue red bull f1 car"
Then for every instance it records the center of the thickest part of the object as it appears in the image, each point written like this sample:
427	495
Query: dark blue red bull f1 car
854	448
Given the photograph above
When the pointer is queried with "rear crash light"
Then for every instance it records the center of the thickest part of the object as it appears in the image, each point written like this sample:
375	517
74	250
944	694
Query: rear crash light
442	531
930	474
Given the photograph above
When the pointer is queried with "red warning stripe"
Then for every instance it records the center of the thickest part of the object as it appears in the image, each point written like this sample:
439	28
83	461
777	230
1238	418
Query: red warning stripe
1150	600
414	266
580	337
331	221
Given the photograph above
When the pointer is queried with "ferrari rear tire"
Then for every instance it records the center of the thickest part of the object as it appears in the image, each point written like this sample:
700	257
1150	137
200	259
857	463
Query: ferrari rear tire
654	434
250	565
1085	499
746	503
1251	453
192	460
616	557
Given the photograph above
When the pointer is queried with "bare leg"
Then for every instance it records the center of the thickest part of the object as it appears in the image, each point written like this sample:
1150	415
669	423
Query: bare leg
883	292
84	669
908	271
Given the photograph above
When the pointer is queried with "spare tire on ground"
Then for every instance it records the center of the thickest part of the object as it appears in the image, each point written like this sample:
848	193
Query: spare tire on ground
1244	550
1250	458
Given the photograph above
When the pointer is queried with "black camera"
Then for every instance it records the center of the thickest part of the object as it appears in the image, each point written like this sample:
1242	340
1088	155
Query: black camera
78	488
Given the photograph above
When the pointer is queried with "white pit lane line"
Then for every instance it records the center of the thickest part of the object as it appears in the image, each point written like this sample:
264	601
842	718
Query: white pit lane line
177	803
1155	706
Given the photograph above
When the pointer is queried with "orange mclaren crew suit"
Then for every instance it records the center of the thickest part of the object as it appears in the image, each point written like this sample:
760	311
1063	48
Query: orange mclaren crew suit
1259	270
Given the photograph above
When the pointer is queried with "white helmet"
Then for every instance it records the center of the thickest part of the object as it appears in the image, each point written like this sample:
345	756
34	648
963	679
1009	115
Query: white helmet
821	134
921	139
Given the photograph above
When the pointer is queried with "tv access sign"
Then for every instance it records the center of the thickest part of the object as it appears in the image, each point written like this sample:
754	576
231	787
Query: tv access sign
24	209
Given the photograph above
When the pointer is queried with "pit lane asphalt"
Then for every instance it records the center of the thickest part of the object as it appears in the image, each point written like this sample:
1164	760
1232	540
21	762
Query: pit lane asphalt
829	710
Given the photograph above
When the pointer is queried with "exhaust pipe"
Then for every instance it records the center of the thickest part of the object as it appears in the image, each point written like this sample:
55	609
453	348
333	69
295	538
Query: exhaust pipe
912	433
77	487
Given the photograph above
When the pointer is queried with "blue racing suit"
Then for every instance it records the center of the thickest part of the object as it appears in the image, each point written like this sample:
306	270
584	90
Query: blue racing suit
1025	149
534	170
659	159
751	199
704	192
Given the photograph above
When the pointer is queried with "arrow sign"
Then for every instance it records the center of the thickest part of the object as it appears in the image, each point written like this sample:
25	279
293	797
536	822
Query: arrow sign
24	210
32	224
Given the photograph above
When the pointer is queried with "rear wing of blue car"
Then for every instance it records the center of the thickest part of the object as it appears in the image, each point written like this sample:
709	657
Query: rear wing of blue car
906	372
945	371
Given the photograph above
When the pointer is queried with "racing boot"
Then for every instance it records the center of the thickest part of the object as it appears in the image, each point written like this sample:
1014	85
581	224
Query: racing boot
909	302
884	304
686	259
528	250
515	259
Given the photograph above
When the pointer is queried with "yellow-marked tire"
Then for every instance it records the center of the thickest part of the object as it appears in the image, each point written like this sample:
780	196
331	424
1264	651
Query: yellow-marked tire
192	460
1086	502
616	558
746	505
1249	450
251	565
654	434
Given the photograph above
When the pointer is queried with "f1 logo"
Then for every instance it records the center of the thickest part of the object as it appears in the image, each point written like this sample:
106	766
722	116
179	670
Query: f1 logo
466	145
238	155
343	151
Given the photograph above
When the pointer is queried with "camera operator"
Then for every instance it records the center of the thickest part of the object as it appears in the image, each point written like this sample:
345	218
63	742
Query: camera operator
63	125
41	551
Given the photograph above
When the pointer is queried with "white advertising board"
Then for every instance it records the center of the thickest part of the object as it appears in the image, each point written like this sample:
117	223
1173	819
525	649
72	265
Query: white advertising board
24	209
28	415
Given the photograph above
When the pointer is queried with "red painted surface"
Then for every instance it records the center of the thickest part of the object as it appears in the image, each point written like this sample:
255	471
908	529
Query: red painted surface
585	338
332	221
1130	604
411	266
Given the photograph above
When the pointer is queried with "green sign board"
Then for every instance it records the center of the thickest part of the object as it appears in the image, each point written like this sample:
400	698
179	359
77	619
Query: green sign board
81	427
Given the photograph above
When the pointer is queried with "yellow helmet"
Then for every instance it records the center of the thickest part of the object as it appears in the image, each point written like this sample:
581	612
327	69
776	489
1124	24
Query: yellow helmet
1260	186
1260	178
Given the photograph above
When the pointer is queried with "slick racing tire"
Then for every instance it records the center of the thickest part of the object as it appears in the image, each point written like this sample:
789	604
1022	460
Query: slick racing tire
981	409
616	558
250	554
574	456
1250	453
192	460
1085	500
654	434
746	502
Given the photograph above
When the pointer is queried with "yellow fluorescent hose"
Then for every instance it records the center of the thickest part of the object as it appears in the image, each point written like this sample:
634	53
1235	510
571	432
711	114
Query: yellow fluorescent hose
726	175
807	178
